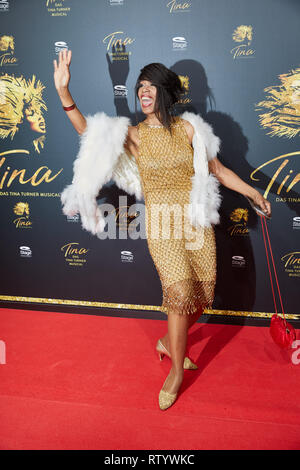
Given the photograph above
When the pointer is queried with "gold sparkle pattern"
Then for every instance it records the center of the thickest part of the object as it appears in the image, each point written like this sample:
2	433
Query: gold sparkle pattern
165	164
88	303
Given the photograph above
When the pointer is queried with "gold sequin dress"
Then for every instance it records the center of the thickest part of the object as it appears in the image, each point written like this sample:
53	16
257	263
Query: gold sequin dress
187	271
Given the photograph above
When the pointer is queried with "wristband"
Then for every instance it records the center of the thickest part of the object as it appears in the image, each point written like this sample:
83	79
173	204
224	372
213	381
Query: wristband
69	108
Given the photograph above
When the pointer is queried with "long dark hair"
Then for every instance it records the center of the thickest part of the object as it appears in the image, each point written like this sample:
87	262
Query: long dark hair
168	87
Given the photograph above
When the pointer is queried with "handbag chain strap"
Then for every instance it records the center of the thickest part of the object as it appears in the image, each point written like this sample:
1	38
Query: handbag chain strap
264	228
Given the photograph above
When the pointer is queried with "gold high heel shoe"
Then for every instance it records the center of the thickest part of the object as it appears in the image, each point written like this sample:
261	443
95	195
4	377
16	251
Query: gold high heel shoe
166	399
162	351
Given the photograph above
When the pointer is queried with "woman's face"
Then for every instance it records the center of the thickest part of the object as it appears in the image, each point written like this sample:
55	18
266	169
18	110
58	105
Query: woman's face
147	96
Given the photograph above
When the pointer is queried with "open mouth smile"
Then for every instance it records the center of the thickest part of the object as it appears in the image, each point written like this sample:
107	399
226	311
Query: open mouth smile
146	101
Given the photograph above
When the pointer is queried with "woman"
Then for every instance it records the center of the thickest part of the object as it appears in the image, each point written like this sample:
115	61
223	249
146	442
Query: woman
163	147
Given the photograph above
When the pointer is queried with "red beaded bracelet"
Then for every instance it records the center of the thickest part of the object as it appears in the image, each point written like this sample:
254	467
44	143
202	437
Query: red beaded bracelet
69	108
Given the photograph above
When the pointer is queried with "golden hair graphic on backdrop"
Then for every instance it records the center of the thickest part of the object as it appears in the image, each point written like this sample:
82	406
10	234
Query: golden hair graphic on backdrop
7	50
240	218
21	208
185	83
184	79
7	44
242	33
22	99
282	106
239	214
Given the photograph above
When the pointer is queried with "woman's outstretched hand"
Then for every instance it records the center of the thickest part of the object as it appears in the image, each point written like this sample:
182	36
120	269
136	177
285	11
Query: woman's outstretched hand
262	203
61	70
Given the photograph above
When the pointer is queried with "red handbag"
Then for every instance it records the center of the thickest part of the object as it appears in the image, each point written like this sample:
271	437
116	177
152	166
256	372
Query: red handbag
282	332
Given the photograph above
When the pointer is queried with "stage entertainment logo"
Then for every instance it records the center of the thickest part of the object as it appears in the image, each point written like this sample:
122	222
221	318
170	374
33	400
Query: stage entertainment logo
120	91
117	45
73	218
126	256
58	7
60	46
238	261
281	116
296	222
4	5
7	49
174	6
22	210
74	254
292	263
116	2
240	218
243	34
179	43
25	252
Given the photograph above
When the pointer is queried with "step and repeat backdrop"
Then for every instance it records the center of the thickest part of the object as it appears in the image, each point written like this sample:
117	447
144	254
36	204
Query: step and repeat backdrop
239	65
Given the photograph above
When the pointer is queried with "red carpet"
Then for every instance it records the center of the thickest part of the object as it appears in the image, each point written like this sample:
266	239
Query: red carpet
92	382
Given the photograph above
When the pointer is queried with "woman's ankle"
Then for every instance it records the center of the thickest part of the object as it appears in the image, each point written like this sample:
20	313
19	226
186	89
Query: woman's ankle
173	381
177	372
165	341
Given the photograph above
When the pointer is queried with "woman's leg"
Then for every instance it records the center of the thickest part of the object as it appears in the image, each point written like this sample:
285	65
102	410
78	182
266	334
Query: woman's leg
177	333
192	319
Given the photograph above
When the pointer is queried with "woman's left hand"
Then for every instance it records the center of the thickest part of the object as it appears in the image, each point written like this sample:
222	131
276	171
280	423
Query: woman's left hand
262	203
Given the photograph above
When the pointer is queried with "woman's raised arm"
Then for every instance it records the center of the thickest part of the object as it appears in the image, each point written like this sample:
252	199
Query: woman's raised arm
61	80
